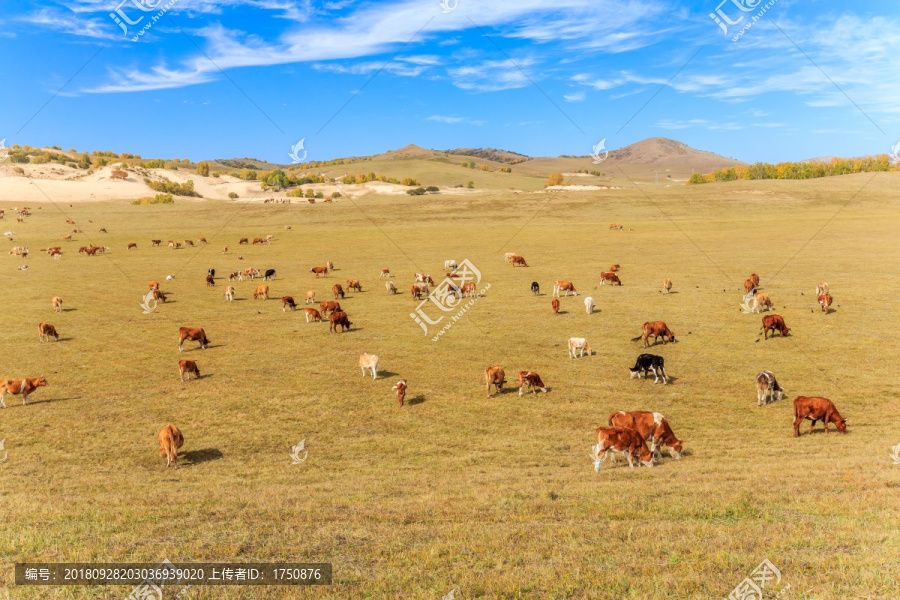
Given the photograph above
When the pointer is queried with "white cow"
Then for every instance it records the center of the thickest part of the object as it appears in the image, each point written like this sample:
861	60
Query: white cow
368	362
578	346
229	293
449	265
589	305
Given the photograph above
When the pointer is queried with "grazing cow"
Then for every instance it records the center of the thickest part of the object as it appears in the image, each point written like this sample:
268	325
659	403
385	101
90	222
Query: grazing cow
449	265
261	292
70	222
20	251
330	265
225	250
329	305
767	388
651	426
519	261
424	278
57	304
615	226
817	409
761	299
67	237
339	318
614	268
620	439
610	278
323	271
825	302
555	304
103	230
47	331
188	242
390	287
650	362
822	288
535	288
229	293
170	440
494	376
589	305
258	241
269	274
313	314
236	275
202	239
158	295
368	362
749	286
532	380
578	346
210	281
468	289
243	241
288	301
385	273
310	297
657	329
400	389
24	386
337	290
194	334
563	286
353	284
132	245
508	256
188	366
755	279
774	323
155	242
667	285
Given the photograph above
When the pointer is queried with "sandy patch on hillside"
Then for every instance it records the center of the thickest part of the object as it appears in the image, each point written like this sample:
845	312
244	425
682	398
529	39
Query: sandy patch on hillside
581	188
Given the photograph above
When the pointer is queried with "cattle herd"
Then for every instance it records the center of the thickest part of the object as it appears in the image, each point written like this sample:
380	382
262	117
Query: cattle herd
627	432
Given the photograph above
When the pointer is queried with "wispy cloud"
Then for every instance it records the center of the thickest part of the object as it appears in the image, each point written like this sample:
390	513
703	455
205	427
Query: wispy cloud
453	120
575	97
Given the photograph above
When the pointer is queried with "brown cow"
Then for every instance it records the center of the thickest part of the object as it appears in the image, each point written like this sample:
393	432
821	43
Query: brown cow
563	286
518	260
353	284
555	304
202	239
494	376
155	242
400	389
652	426
189	243
817	409
614	268
532	380
194	334
337	290
385	273
468	289
755	279
236	275
620	439
57	304
323	271
667	285
210	281
416	292
610	278
158	295
259	241
657	329
825	302
47	331
329	305
170	440
243	241
749	286
24	386
261	292
103	230
154	285
313	314
774	323
762	300
132	245
339	318
188	366
287	301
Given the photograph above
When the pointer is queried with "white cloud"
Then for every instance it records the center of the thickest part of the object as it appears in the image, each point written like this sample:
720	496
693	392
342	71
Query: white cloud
453	120
575	97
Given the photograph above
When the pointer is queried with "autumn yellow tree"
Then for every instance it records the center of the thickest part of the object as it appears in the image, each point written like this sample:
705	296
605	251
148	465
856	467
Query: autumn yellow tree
555	179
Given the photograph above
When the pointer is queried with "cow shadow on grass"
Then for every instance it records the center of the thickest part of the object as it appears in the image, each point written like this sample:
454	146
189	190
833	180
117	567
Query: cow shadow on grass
195	457
387	374
69	309
416	400
44	401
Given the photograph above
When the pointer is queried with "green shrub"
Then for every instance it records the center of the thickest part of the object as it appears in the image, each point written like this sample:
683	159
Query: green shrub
158	199
416	192
232	195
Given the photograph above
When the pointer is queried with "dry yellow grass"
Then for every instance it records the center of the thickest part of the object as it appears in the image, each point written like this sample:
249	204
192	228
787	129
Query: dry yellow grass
496	498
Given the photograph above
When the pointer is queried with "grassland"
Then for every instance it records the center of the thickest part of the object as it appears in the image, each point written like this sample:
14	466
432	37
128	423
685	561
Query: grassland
494	497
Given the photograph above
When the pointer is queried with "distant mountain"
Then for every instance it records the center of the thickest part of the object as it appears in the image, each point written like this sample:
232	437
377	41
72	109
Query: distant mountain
501	156
665	152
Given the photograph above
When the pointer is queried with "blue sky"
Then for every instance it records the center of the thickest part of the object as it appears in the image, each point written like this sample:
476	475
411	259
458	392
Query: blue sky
225	78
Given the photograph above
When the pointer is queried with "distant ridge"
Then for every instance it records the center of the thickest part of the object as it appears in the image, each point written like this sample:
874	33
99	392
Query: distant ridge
664	151
502	156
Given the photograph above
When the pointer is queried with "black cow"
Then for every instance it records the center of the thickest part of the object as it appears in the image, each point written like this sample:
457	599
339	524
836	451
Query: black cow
649	362
211	272
270	273
535	288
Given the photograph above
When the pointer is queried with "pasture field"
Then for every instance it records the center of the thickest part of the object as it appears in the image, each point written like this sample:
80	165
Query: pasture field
496	498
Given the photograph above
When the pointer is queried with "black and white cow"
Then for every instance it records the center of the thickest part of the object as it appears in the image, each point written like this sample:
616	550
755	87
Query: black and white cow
767	388
535	288
270	274
649	362
211	272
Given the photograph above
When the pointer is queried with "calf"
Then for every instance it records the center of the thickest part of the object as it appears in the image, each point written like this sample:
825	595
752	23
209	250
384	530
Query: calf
288	301
390	287
532	380
47	331
774	323
610	278
667	285
589	305
817	409
563	286
400	389
188	366
339	319
337	290
649	362
313	314
494	376
535	288
210	281
24	386
368	362
229	293
323	271
170	440
353	284
57	304
236	276
310	297
555	304
657	329
767	388
329	305
825	302
194	334
269	274
651	426
261	292
620	439
578	346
